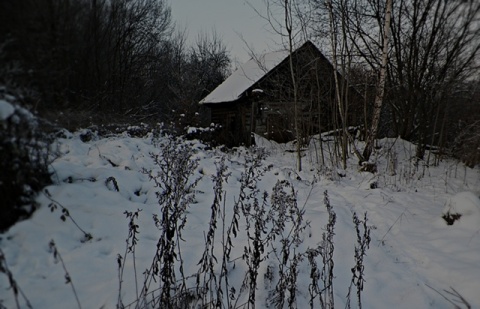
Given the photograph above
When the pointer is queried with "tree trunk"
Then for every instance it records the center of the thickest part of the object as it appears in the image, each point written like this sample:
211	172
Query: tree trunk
288	26
377	108
339	98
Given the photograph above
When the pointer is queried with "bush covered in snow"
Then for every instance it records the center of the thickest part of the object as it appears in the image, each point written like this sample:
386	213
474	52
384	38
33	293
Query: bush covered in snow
463	207
23	163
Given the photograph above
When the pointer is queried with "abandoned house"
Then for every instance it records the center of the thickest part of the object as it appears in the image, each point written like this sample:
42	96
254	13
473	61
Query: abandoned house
259	97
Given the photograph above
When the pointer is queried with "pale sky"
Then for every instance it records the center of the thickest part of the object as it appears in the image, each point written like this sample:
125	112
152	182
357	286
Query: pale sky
230	19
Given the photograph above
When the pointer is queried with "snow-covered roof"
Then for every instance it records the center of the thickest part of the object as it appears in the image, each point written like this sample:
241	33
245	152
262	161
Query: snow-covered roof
244	77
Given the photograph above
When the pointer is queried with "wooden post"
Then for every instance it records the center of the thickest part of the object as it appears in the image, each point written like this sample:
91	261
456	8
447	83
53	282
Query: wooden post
252	122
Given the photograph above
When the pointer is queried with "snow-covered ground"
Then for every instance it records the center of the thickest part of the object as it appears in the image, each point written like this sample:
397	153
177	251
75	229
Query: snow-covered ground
414	261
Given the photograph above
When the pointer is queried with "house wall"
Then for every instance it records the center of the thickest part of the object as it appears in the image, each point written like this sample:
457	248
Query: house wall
235	121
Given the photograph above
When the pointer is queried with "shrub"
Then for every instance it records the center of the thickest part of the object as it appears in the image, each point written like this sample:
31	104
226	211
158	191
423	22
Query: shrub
467	145
23	162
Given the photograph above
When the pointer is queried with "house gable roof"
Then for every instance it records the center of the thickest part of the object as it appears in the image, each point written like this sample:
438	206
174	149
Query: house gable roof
244	77
253	71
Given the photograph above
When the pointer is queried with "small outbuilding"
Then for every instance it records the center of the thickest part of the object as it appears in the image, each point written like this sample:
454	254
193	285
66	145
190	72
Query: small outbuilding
259	98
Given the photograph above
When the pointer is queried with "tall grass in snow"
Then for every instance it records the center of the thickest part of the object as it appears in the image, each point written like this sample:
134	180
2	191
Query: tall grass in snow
252	236
262	233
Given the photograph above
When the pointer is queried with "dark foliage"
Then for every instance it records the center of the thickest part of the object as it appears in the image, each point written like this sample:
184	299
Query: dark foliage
23	166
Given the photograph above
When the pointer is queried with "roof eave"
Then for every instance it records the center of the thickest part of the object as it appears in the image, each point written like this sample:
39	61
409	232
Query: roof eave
239	97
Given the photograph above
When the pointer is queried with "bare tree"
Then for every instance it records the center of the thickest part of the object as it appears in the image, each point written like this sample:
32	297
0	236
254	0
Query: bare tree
331	29
289	28
283	18
340	85
435	47
196	71
372	134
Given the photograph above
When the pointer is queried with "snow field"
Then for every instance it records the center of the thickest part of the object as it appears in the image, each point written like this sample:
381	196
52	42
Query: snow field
413	252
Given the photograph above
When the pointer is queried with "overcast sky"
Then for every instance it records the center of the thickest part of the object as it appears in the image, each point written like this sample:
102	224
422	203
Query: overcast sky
231	19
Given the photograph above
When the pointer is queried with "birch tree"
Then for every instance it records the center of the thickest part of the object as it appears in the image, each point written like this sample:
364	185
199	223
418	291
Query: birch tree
434	48
372	134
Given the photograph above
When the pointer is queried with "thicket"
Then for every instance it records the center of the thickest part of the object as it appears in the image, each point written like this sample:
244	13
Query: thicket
98	61
23	163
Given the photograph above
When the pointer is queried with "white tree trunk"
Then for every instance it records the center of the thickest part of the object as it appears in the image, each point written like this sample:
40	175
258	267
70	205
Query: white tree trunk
377	108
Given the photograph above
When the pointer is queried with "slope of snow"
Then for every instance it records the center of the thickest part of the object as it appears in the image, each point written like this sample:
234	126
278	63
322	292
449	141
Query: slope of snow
413	259
244	77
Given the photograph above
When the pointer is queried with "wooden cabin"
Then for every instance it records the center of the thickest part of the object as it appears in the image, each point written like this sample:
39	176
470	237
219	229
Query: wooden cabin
259	97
